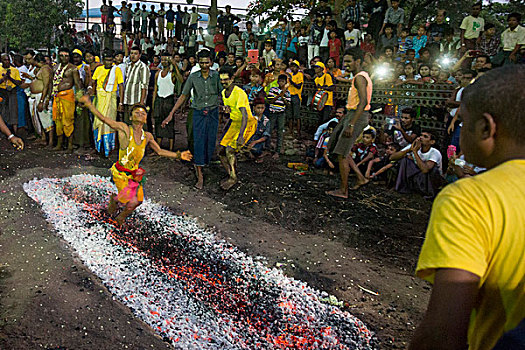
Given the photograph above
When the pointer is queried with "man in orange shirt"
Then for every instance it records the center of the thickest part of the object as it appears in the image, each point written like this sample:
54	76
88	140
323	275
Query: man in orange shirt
352	125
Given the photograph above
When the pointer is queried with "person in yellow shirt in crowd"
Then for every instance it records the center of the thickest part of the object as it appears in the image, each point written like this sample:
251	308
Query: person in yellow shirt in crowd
9	80
240	127
106	80
296	81
474	250
324	82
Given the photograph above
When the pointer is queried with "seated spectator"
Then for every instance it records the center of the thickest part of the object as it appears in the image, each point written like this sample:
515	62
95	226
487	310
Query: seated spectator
435	71
419	167
490	42
406	130
254	89
409	77
368	45
410	56
387	39
424	56
322	160
404	42
458	168
365	151
257	144
424	72
332	68
420	40
340	112
383	168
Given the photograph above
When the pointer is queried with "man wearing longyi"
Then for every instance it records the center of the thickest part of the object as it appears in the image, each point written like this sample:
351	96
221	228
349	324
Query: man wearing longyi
127	174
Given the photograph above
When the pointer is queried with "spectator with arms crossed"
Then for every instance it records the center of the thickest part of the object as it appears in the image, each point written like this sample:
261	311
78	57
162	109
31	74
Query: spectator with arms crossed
473	250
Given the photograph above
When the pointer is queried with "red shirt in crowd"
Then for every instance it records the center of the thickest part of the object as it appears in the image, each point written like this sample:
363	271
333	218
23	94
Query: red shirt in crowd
335	49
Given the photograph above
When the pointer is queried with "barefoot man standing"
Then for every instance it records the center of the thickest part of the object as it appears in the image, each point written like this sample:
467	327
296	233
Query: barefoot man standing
65	78
127	175
352	125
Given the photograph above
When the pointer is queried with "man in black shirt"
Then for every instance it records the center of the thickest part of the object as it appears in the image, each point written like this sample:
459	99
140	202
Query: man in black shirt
229	21
376	10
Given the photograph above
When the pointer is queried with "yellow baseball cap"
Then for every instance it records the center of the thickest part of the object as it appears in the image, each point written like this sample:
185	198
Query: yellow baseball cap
320	65
296	63
77	51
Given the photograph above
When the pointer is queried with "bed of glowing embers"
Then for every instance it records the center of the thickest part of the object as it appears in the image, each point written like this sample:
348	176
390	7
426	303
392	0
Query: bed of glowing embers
194	289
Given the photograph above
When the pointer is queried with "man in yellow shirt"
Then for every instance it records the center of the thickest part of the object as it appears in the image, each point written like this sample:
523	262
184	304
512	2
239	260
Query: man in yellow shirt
9	80
240	127
296	80
474	249
106	80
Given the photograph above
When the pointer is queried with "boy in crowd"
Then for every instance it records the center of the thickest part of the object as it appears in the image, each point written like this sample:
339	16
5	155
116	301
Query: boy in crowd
261	138
471	28
379	168
254	89
296	80
419	167
268	53
363	152
388	39
279	99
395	16
404	43
324	82
352	36
406	130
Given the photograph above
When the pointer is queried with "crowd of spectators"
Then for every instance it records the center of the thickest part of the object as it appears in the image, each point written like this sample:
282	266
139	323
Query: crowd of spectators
161	50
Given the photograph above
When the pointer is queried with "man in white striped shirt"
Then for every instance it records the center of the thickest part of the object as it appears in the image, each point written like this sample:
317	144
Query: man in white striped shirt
136	85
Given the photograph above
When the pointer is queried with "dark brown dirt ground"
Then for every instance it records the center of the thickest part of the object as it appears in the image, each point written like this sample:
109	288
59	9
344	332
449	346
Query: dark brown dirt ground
371	241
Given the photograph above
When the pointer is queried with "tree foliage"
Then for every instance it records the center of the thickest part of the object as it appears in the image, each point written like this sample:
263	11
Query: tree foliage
31	23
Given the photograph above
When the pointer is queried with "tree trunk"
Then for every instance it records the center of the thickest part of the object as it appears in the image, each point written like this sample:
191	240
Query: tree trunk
212	14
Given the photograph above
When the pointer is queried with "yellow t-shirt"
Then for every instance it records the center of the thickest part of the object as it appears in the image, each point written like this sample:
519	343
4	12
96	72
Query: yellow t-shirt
478	225
297	79
15	74
237	100
100	76
326	79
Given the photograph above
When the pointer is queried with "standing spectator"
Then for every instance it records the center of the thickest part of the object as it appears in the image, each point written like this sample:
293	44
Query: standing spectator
179	16
279	99
185	21
170	20
245	36
335	47
490	42
152	16
420	40
190	41
144	18
125	14
205	86
376	10
471	29
234	43
513	38
268	53
25	77
137	14
302	45
324	50
394	15
106	80
229	21
111	13
352	35
449	45
160	20
281	38
291	50
475	237
218	41
9	80
436	30
388	39
316	35
368	46
104	15
194	18
352	13
136	85
323	10
324	82
296	81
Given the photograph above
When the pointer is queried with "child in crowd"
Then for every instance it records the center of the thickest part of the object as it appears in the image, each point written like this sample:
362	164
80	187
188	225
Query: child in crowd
435	71
388	38
322	159
352	36
261	138
279	99
424	72
268	53
254	89
302	46
382	167
335	47
405	130
403	43
365	151
409	77
419	41
410	56
368	45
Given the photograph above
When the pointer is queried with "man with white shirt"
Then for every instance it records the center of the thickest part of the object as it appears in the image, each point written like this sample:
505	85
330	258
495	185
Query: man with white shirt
513	38
136	83
420	167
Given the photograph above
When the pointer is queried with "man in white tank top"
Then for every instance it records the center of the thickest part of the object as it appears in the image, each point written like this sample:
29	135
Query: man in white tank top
164	99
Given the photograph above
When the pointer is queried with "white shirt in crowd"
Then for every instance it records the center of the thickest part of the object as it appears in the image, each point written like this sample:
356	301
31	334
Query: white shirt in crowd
432	155
352	38
324	40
